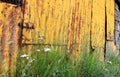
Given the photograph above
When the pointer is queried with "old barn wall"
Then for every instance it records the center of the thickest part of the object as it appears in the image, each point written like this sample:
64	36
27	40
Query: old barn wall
75	23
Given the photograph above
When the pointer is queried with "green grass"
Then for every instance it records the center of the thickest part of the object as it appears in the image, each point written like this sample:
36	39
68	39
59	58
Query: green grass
56	64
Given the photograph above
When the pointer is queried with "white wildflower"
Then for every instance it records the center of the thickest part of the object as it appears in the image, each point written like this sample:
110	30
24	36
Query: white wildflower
27	57
109	62
40	38
38	50
24	56
32	60
47	49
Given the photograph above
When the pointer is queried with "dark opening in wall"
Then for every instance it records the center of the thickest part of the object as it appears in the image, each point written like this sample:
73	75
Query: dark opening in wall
15	2
118	3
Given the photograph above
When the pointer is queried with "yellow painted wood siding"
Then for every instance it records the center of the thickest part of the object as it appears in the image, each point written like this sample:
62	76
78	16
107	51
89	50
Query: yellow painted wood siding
110	19
79	24
98	24
70	22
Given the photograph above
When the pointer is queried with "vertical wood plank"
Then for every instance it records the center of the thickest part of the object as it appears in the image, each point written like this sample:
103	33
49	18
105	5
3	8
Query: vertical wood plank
10	35
98	24
110	19
16	19
1	25
79	30
111	26
6	36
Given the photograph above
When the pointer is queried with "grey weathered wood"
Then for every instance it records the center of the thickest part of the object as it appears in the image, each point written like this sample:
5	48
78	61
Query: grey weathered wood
117	24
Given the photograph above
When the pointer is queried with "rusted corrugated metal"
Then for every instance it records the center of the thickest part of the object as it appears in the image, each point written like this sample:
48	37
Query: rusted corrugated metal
77	24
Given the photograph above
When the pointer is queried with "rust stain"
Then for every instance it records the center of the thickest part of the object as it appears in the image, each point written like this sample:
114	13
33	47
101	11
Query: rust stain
15	37
1	22
10	36
74	31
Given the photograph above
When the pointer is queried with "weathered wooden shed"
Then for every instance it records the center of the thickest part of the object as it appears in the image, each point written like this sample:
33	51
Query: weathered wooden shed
73	23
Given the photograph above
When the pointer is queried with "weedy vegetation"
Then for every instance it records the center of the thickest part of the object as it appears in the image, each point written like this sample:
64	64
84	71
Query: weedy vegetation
53	62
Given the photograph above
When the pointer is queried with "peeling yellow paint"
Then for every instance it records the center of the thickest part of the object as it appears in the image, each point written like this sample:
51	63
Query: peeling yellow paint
78	23
110	19
10	36
98	24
